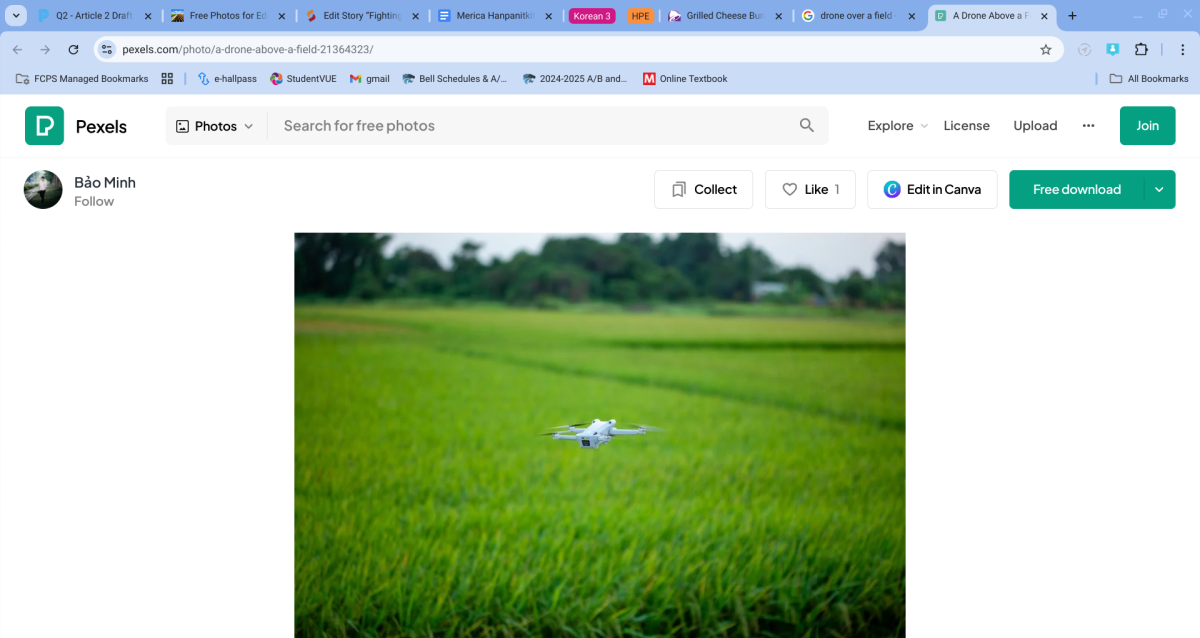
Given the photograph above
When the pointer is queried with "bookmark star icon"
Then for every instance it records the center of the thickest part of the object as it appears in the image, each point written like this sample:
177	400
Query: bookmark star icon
1045	49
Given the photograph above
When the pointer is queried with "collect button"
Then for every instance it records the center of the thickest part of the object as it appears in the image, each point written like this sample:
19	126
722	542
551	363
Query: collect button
1091	189
1147	125
592	16
703	189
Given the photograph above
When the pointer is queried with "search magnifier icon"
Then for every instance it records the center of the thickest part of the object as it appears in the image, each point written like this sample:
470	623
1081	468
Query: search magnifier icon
806	123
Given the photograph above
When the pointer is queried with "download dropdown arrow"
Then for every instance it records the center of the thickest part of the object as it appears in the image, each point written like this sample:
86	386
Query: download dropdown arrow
249	126
924	125
1158	188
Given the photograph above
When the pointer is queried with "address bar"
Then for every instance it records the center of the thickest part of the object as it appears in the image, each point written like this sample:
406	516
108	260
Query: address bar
570	49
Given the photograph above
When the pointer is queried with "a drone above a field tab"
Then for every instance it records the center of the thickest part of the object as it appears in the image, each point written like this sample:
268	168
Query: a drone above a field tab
596	433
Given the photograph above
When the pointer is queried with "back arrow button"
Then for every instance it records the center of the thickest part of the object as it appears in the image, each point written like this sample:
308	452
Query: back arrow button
17	50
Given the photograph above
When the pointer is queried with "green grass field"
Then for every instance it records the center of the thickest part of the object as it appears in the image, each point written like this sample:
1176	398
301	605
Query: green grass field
772	504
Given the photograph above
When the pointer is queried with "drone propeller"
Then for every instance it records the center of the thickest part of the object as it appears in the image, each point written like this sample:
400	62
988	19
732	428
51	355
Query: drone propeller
648	428
563	427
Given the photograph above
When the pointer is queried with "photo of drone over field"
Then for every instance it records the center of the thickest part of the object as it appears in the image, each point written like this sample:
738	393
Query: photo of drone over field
766	499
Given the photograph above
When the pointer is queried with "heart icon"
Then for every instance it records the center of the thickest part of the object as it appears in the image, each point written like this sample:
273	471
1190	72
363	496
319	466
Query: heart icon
789	188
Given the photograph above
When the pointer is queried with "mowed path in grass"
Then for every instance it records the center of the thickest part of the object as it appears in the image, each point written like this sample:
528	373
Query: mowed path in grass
424	505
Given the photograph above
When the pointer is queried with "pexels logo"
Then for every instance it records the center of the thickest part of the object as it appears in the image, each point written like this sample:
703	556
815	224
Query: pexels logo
44	125
114	127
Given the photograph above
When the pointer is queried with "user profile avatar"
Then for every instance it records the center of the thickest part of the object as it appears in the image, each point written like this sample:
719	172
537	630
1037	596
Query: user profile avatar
43	189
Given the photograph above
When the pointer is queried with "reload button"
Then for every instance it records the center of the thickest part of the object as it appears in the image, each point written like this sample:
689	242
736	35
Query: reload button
703	189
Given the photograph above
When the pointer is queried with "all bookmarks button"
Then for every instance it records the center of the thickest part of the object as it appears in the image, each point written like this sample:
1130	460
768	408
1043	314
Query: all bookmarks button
932	189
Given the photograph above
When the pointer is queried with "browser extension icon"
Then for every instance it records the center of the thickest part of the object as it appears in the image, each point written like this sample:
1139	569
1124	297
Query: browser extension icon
443	15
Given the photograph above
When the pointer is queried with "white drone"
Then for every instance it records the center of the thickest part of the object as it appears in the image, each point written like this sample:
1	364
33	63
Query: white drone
596	433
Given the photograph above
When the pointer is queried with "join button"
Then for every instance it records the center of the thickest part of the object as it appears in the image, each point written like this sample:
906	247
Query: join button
1147	125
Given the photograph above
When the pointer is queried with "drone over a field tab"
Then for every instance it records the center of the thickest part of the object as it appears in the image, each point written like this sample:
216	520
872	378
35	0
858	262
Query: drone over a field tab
596	433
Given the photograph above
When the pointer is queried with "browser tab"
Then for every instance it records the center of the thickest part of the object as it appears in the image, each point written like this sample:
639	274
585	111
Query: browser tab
993	18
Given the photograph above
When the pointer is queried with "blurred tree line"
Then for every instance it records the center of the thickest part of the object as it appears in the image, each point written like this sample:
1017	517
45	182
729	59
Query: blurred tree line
635	268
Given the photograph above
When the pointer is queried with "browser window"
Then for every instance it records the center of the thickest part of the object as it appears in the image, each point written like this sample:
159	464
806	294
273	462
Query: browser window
285	291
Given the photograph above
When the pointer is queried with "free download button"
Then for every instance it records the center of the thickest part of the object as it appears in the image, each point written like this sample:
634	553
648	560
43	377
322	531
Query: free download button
1091	189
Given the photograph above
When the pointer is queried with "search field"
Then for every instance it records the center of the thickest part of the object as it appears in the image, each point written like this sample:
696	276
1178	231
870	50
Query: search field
553	126
567	49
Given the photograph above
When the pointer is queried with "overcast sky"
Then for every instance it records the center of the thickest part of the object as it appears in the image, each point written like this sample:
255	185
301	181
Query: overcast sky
831	255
